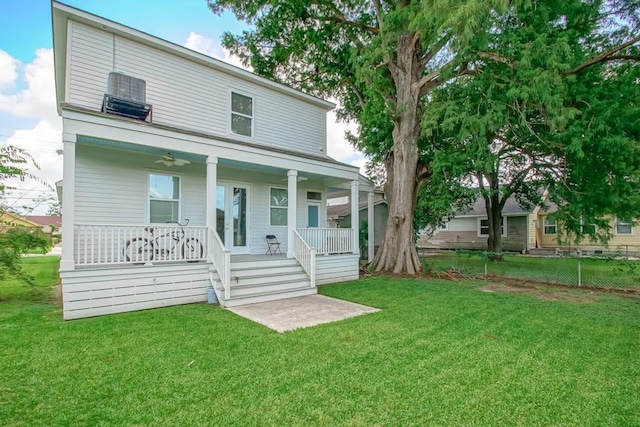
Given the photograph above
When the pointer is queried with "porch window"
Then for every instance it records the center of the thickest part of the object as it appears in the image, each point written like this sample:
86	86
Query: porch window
623	226
241	114
164	198
483	228
278	201
550	226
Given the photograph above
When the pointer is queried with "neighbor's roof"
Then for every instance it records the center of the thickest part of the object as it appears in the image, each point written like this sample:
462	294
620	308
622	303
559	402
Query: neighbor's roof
8	219
335	211
511	207
45	220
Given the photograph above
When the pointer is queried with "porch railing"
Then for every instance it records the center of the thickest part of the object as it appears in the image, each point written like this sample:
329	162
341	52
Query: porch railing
328	240
306	256
109	244
221	258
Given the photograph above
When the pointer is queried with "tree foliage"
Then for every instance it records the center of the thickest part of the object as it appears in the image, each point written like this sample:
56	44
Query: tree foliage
510	66
16	241
539	115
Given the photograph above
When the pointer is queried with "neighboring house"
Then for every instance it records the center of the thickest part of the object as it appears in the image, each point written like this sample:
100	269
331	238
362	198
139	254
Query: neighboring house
534	231
339	216
9	220
156	133
470	229
49	224
546	230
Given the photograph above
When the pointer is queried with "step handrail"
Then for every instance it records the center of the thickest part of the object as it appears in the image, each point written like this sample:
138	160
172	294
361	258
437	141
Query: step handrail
221	260
305	255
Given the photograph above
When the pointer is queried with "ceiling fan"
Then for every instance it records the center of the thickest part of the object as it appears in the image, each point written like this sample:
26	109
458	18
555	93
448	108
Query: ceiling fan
170	160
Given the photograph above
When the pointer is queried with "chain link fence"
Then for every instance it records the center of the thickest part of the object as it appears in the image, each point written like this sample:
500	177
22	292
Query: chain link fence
608	272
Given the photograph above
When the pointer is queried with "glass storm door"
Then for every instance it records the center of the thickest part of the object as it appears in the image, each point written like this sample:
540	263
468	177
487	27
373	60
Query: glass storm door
232	210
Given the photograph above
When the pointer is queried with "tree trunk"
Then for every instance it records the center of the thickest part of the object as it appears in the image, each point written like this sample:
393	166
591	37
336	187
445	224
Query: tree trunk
494	215
397	252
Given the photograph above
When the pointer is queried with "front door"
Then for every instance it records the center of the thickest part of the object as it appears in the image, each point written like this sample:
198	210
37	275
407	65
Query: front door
313	215
233	219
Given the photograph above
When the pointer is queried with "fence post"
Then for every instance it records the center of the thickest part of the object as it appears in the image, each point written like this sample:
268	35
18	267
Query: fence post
486	262
579	273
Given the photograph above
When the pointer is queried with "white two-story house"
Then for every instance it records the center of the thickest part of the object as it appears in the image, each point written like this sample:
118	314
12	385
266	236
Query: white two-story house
177	167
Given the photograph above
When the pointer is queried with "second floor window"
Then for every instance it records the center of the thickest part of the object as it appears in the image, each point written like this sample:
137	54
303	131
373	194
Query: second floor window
241	114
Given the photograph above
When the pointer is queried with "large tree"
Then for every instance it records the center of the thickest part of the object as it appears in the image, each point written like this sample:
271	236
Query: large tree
382	60
562	81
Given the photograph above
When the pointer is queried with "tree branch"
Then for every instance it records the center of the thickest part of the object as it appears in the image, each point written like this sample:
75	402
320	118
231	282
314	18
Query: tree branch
339	18
605	56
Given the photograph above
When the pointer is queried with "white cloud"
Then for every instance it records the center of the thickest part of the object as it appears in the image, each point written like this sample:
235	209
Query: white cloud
35	100
38	98
337	145
213	48
8	69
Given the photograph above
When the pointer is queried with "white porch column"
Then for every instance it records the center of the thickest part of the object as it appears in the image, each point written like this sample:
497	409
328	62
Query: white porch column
68	200
212	184
292	205
371	224
355	218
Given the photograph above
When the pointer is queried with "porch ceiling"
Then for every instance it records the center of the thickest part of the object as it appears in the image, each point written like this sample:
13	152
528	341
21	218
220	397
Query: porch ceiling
329	181
145	149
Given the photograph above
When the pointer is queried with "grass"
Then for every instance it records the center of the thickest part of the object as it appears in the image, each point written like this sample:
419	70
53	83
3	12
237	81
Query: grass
45	272
439	353
594	272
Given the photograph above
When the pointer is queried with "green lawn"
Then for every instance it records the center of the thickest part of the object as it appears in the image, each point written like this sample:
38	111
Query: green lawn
594	272
439	353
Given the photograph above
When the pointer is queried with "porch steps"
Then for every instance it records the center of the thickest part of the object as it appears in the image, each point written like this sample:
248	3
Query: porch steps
260	280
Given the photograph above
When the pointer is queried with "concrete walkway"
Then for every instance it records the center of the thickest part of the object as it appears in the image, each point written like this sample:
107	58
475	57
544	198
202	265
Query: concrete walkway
301	312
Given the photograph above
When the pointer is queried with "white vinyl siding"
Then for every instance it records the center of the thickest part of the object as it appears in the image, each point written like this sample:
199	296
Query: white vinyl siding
112	187
186	94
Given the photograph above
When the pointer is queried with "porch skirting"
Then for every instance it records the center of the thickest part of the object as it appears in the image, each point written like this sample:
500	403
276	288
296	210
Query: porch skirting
95	292
88	292
337	268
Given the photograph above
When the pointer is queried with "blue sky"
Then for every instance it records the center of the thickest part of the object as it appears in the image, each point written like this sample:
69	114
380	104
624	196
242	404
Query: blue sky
26	24
28	117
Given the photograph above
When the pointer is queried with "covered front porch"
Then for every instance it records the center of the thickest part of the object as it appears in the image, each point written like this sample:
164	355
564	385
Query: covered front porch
220	205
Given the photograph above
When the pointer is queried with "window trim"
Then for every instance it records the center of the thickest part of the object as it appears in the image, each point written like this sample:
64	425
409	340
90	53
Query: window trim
545	225
231	113
620	222
479	226
179	200
272	187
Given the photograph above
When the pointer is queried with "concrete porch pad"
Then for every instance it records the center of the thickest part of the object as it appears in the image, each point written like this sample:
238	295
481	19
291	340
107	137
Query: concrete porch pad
300	312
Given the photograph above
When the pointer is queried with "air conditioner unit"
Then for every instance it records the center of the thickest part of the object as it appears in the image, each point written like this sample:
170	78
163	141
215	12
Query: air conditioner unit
126	96
126	87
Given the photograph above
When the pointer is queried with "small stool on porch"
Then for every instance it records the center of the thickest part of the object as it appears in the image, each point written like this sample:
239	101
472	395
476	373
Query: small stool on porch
273	246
